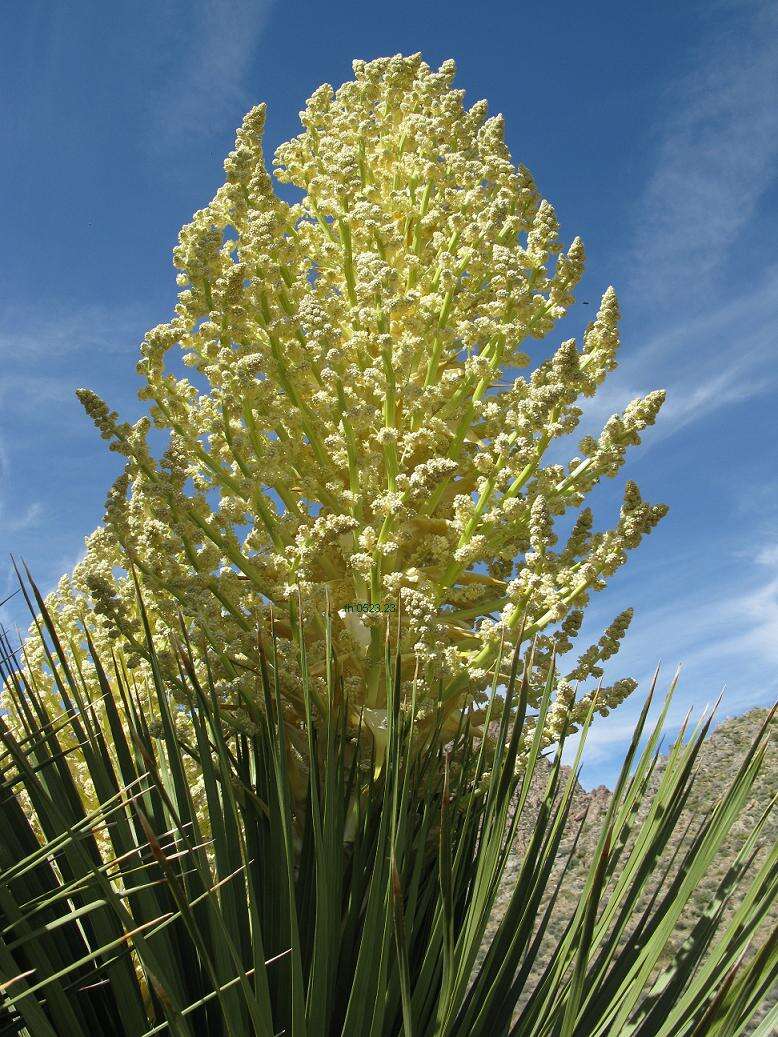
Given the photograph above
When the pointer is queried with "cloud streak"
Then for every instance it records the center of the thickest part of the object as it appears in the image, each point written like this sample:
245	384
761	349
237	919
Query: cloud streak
710	342
723	633
11	522
716	157
214	42
724	356
708	345
28	335
173	73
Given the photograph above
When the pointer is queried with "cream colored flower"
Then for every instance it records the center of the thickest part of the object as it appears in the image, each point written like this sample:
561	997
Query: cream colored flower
356	427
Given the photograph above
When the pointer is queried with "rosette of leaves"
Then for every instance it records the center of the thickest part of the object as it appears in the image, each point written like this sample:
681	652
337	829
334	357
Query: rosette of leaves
361	906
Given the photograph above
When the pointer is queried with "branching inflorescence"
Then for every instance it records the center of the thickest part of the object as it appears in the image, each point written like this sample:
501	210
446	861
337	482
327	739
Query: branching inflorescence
354	429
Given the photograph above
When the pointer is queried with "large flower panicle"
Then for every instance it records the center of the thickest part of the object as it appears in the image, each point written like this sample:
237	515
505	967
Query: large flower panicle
355	428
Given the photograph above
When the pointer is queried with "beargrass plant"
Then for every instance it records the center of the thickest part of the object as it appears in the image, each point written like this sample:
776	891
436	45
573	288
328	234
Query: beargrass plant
365	426
363	911
265	750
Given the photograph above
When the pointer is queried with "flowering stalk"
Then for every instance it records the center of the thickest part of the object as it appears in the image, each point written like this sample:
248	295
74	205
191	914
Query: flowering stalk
357	428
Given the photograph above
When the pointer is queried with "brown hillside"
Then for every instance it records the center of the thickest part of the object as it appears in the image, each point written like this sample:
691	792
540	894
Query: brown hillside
718	762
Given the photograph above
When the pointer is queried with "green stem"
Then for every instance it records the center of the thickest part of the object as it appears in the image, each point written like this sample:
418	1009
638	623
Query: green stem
348	260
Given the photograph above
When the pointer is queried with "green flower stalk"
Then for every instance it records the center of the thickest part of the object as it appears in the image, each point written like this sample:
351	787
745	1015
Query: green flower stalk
356	436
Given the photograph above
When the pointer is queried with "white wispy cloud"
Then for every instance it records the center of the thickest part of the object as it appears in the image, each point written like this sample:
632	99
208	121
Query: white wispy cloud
210	45
720	629
739	620
723	631
710	337
716	157
175	71
11	520
768	555
724	355
54	329
30	516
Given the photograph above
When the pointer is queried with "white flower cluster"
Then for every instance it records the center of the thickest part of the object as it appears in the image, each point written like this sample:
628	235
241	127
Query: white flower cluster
348	434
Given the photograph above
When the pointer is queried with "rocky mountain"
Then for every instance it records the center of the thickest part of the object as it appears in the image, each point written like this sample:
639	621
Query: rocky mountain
717	764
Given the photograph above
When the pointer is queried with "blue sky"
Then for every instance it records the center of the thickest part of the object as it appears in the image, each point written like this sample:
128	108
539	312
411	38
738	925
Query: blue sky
652	128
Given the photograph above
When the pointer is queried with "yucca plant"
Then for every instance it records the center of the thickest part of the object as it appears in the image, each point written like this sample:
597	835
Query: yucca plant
364	911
